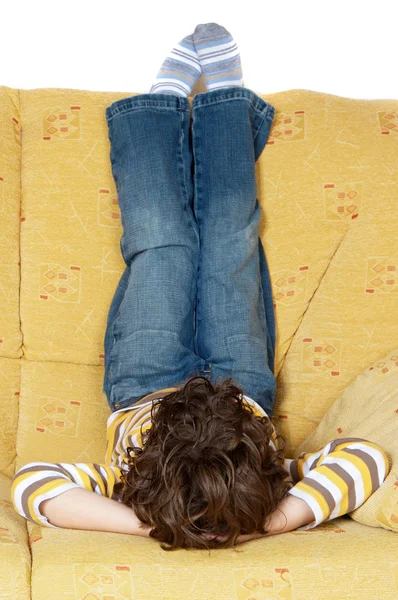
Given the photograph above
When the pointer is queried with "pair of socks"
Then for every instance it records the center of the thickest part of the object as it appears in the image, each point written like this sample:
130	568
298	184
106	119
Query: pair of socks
211	49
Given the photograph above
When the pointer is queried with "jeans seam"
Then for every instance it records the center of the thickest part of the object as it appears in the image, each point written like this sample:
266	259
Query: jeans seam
236	92
227	99
144	107
181	160
264	117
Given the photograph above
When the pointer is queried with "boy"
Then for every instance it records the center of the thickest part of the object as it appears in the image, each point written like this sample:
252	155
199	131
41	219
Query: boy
209	468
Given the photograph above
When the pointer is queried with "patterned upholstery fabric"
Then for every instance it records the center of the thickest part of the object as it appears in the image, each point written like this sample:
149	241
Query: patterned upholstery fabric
327	183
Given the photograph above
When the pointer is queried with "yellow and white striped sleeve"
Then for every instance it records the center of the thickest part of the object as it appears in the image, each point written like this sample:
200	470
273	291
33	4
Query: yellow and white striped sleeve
39	481
338	478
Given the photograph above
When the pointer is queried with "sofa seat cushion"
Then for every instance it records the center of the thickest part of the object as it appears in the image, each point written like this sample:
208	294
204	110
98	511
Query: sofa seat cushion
335	560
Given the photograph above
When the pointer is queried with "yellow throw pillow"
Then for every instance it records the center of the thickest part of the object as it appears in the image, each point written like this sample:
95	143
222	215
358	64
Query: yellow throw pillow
368	408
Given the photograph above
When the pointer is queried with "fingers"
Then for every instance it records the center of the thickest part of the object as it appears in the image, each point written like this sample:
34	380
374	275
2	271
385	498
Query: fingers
212	536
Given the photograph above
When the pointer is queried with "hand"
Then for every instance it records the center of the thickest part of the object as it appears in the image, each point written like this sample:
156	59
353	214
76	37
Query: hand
143	531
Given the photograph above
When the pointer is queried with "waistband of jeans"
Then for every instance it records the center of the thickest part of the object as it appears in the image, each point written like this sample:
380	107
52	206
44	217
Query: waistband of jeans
148	100
233	92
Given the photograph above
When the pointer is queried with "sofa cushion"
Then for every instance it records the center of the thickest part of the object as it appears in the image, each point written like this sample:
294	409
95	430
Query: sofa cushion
10	206
334	561
10	328
368	408
15	553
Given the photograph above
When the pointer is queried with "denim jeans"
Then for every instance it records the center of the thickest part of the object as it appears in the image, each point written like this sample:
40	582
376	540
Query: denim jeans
195	297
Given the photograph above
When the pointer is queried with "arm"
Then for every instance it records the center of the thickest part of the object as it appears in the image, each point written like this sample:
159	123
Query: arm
329	483
81	509
338	478
38	481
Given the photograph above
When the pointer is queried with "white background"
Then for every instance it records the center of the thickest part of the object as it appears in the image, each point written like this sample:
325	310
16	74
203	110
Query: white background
343	47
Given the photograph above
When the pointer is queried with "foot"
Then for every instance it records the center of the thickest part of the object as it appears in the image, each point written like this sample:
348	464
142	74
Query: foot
219	56
180	70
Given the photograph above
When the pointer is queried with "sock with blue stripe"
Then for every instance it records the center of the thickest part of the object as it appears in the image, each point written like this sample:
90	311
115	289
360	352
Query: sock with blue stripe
180	70
219	56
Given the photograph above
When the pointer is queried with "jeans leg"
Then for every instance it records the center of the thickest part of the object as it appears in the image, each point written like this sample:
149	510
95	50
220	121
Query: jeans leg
149	339
235	327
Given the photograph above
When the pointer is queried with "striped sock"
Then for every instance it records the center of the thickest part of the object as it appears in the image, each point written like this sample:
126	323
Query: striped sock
180	71
219	56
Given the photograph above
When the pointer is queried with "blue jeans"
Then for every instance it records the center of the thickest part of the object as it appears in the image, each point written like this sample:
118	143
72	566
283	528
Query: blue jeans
195	297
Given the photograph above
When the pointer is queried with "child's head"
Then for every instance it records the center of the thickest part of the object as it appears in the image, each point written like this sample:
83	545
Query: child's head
206	466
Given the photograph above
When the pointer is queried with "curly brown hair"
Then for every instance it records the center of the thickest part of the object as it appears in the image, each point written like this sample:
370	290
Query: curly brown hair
205	467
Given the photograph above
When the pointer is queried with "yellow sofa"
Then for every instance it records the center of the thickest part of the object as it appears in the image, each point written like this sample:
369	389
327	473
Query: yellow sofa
328	186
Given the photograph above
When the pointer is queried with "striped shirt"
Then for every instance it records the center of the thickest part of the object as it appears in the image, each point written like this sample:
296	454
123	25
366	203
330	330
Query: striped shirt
333	481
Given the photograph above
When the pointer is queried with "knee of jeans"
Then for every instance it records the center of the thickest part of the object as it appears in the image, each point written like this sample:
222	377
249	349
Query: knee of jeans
153	233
